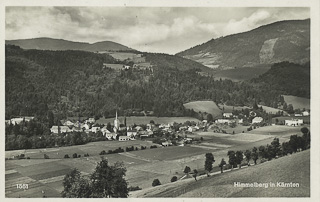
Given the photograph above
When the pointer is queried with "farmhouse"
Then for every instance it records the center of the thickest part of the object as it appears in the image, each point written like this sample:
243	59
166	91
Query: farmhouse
227	115
131	133
223	121
298	114
111	136
15	121
306	113
91	120
293	122
124	138
95	129
63	129
68	123
257	120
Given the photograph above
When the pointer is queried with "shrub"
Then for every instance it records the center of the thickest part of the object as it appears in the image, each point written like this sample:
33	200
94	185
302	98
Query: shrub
75	155
46	156
156	182
131	188
174	178
79	156
110	151
66	156
103	152
153	146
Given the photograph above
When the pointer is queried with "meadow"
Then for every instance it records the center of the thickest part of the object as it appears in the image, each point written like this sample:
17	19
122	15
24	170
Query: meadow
297	102
204	106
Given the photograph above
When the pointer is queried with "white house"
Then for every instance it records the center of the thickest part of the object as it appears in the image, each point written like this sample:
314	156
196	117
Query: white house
68	123
294	122
223	121
110	135
95	129
124	138
240	121
306	113
63	129
227	115
91	120
15	121
298	114
257	120
131	133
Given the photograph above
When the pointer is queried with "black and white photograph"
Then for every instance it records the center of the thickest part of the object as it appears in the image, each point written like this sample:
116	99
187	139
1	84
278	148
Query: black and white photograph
160	101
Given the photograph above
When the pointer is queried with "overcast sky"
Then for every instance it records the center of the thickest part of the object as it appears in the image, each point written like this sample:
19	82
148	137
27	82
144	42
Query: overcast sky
166	30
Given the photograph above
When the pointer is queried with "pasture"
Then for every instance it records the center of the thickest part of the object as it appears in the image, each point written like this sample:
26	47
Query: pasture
131	120
142	166
297	102
228	109
272	110
204	106
284	169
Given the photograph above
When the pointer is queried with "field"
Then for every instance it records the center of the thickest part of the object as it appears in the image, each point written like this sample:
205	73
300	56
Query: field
285	169
204	106
228	108
297	102
131	120
240	74
142	166
271	109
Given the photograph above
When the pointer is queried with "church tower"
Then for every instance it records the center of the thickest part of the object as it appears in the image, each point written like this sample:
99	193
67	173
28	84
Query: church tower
116	123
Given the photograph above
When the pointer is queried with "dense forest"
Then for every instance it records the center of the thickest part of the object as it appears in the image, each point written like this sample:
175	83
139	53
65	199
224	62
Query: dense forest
73	83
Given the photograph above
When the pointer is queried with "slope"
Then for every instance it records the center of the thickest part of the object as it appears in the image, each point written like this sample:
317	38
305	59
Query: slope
276	42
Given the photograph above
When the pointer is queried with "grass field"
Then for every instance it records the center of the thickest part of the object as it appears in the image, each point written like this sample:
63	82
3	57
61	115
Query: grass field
272	110
297	102
146	119
228	108
142	166
285	169
204	106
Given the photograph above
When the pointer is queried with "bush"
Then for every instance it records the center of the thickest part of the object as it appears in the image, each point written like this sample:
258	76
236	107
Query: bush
28	157
46	156
156	182
263	160
131	188
174	178
110	151
103	152
153	146
79	156
66	156
75	155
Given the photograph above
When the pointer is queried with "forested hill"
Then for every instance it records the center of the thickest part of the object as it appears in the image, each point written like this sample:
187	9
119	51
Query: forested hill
268	44
60	44
74	83
290	78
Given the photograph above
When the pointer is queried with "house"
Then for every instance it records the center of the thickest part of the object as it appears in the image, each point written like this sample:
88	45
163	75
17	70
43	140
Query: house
166	144
91	120
293	122
298	114
240	121
15	121
257	120
223	121
138	128
105	131
68	123
95	129
227	115
124	138
131	133
85	126
63	129
306	113
110	135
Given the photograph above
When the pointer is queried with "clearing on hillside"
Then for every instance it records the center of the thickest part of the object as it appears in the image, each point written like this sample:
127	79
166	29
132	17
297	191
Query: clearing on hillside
297	102
204	106
272	110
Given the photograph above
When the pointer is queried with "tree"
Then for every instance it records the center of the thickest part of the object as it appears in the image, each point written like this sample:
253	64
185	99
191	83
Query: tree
46	156
156	182
195	174
75	186
232	159
209	118
187	170
108	181
222	163
208	163
276	147
75	155
239	158
248	154
255	155
174	178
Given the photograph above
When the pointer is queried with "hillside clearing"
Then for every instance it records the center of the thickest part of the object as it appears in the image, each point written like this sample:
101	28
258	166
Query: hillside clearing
297	102
204	106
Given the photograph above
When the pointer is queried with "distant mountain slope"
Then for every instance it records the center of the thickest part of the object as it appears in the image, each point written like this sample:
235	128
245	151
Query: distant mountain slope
60	44
276	42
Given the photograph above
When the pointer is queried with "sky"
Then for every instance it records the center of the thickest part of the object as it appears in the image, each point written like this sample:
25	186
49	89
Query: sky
150	29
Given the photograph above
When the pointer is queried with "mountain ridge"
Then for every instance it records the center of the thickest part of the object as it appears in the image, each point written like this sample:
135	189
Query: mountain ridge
276	42
45	43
